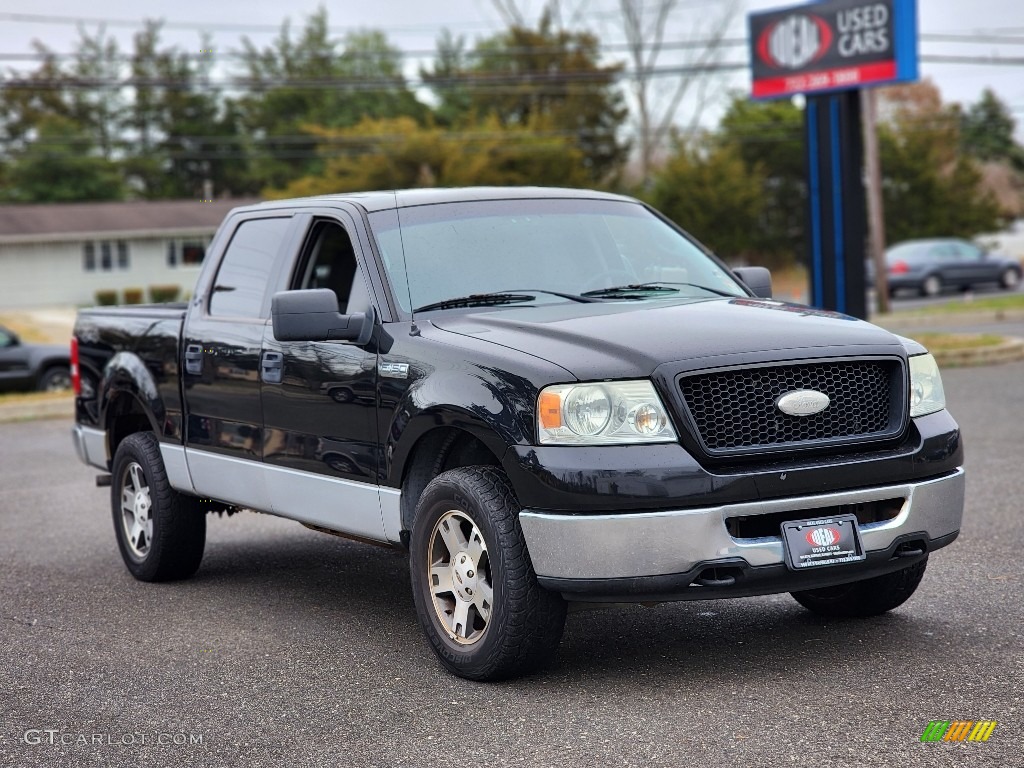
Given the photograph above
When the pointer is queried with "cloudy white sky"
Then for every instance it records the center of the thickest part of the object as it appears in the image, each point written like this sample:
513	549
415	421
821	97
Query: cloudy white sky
414	24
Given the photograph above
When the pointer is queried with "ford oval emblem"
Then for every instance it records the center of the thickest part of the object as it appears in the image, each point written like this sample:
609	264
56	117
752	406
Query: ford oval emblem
803	402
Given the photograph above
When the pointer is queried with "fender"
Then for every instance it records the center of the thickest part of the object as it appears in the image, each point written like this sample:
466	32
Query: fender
126	374
500	415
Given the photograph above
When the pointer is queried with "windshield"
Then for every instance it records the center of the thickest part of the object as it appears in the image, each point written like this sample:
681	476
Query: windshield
456	250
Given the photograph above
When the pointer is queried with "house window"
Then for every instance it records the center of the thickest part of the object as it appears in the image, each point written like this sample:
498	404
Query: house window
89	257
106	257
193	252
122	254
185	253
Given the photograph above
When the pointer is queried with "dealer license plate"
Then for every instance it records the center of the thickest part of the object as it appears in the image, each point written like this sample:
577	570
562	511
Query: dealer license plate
826	541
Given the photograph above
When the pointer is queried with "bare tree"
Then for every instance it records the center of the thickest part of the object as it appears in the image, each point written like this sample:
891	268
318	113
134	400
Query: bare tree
657	98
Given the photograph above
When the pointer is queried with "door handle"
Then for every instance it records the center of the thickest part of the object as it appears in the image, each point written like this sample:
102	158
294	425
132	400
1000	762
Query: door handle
272	367
194	359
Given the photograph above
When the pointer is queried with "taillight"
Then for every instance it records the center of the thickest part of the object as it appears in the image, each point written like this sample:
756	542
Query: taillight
76	375
898	268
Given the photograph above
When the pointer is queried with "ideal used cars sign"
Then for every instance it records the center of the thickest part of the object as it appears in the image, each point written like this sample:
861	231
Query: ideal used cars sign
833	45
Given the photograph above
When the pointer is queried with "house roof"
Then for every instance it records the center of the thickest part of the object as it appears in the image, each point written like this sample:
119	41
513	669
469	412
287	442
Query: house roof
51	221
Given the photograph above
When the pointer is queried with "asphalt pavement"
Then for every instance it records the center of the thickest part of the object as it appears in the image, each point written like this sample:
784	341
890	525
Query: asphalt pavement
295	648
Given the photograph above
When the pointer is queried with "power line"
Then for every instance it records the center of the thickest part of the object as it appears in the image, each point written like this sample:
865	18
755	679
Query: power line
508	82
177	53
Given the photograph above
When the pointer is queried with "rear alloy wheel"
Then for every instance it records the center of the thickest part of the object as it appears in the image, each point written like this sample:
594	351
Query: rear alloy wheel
1010	279
161	533
56	379
931	286
477	597
869	597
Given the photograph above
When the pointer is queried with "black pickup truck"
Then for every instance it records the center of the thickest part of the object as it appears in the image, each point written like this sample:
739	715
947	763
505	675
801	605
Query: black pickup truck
545	396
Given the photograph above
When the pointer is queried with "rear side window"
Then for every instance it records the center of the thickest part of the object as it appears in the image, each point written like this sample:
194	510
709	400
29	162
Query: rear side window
244	273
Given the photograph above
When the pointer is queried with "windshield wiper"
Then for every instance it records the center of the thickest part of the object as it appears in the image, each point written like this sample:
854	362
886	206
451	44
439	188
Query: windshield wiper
658	286
570	296
627	291
477	300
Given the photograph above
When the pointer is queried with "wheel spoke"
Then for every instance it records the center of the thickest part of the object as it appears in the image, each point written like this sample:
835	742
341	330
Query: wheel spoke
475	547
460	618
128	501
441	580
136	474
134	533
451	534
482	601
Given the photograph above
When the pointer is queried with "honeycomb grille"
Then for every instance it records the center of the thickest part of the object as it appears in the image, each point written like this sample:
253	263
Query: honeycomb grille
736	410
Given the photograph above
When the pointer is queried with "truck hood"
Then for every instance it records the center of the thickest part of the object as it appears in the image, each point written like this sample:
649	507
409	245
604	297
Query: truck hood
630	339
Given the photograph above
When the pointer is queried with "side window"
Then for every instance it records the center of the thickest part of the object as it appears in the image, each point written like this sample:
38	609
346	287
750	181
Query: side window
945	252
967	252
244	272
329	261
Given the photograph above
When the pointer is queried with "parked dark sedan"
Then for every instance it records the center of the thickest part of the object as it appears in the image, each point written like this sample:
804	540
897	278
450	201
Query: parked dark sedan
33	366
932	266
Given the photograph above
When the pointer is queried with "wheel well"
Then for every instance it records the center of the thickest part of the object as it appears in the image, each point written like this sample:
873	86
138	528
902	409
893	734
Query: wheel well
125	416
439	451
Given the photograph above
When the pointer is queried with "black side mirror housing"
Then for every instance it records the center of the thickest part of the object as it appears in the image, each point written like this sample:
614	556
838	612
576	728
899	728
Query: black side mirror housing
757	279
312	315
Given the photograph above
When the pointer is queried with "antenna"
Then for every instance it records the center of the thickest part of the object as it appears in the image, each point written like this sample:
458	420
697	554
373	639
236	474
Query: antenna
413	331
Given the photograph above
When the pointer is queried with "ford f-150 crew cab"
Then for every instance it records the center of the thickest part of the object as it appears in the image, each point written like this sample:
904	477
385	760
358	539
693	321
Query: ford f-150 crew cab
545	396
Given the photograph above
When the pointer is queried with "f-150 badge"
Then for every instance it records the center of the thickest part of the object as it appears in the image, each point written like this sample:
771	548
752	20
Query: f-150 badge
393	370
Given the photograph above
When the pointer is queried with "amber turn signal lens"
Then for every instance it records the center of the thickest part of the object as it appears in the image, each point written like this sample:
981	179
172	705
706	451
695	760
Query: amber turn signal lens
550	406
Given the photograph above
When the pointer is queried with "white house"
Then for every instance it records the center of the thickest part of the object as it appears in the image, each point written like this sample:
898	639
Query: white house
63	253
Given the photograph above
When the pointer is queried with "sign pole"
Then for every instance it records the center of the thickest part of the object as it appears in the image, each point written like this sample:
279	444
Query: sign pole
876	215
836	214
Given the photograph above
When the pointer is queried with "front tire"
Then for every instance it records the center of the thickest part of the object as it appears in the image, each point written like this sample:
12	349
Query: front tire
160	532
1010	279
869	597
476	594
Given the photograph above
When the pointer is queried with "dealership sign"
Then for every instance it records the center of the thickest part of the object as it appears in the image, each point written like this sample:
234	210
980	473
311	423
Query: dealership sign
833	45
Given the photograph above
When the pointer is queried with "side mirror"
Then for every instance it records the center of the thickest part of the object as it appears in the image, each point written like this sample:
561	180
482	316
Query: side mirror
312	315
757	279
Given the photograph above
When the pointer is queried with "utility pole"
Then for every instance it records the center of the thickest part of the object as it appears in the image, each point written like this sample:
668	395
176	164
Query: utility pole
876	215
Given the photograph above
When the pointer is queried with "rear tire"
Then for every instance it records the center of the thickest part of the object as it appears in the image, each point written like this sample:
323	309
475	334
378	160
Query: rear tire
476	594
931	286
161	533
1010	279
55	379
869	597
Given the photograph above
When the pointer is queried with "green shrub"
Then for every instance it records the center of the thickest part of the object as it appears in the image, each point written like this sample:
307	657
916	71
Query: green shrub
106	298
132	295
160	294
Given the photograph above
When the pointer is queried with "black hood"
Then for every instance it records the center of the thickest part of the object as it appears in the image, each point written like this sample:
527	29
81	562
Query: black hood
630	339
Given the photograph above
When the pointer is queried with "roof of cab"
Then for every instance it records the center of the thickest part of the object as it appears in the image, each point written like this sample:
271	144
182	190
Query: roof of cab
405	198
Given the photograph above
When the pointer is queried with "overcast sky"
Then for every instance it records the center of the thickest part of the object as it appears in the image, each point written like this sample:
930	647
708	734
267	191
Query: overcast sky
414	25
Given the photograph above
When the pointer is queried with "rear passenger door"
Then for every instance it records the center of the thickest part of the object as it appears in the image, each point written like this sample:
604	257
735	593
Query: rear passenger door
319	398
223	341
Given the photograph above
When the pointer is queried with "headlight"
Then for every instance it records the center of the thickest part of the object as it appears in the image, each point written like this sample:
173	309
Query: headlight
608	413
926	394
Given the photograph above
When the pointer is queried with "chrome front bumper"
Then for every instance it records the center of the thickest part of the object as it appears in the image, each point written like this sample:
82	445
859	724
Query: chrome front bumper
631	545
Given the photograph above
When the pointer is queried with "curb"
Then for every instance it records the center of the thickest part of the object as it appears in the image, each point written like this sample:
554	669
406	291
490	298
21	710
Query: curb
898	321
1010	350
40	409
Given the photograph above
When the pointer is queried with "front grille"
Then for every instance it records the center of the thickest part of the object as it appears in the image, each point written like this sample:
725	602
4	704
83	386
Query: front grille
735	410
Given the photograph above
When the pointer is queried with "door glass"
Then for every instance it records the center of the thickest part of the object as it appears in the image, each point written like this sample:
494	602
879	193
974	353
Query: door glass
329	261
243	277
